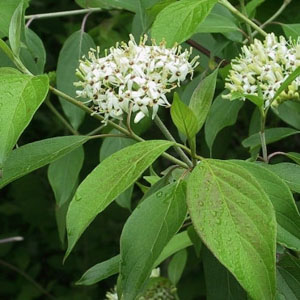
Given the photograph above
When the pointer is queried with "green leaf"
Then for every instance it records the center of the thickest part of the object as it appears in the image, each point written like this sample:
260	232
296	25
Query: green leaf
20	97
145	234
155	9
30	157
60	215
294	156
33	54
232	214
216	276
287	82
63	175
223	113
109	146
106	182
289	112
6	50
219	20
288	277
77	45
287	215
272	135
178	242
291	30
179	21
111	266
100	271
195	239
15	29
289	172
257	100
202	98
7	9
176	266
184	118
252	5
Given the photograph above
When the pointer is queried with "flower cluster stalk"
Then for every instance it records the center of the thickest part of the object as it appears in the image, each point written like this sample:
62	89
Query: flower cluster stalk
116	126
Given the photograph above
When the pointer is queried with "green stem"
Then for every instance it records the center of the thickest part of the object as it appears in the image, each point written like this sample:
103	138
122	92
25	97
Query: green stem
276	14
62	13
61	118
192	144
263	137
228	5
96	130
169	136
116	126
248	27
27	277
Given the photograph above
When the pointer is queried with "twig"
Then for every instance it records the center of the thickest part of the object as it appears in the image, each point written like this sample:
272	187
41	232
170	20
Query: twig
275	153
206	52
84	21
228	5
12	239
26	276
116	126
129	118
62	13
244	11
96	130
273	17
169	136
105	135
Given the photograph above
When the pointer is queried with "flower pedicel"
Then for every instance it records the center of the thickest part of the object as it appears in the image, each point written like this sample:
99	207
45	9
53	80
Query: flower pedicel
265	65
133	77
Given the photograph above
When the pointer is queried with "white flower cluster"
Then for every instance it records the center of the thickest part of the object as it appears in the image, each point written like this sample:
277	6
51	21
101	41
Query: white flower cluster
265	65
132	77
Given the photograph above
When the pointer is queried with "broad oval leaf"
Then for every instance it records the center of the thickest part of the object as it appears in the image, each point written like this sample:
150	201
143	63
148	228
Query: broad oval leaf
30	157
272	135
7	9
179	20
109	146
184	118
223	113
77	45
145	234
287	215
291	30
289	172
252	5
106	182
20	97
289	112
63	175
100	271
202	98
111	266
16	27
294	156
288	277
219	19
176	266
33	54
235	219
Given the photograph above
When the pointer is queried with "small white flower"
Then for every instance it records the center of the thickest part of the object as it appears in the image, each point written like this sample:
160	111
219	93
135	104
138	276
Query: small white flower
132	75
266	65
